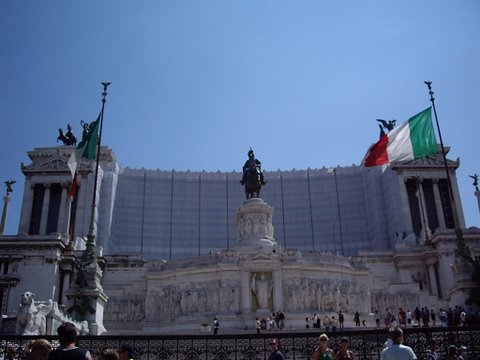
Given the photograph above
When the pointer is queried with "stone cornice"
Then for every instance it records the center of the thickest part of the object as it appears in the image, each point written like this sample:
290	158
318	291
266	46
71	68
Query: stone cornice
429	162
54	160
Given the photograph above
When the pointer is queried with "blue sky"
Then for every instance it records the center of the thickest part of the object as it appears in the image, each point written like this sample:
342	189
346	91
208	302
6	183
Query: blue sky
195	84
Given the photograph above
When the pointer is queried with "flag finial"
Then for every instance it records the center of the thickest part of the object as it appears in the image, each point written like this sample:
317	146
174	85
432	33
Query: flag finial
104	93
430	91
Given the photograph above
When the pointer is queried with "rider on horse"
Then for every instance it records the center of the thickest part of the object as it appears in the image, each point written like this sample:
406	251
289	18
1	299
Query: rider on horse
252	163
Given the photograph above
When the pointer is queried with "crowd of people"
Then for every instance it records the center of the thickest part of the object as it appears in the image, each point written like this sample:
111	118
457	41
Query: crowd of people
394	349
276	321
419	317
42	349
425	317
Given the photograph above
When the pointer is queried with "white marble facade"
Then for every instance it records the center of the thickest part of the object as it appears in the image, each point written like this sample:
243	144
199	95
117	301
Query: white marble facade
173	264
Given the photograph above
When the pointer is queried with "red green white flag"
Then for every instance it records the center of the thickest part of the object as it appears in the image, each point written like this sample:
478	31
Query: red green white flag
414	139
86	149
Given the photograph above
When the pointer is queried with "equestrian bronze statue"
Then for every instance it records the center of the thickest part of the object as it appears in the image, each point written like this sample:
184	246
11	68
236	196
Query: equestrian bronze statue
252	176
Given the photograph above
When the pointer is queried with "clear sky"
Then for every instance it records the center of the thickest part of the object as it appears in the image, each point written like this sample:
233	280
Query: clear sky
195	83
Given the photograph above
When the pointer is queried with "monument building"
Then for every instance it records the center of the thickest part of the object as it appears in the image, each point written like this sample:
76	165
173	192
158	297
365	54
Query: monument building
175	249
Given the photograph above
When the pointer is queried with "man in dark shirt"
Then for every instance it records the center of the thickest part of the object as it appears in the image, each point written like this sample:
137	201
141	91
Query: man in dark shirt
275	354
67	336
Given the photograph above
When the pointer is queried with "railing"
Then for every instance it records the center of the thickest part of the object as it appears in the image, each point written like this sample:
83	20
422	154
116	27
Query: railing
365	344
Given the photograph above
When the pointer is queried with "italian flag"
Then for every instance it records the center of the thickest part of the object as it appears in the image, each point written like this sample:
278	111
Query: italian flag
414	139
86	149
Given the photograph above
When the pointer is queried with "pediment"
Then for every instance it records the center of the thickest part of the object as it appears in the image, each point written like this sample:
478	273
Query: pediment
435	161
51	165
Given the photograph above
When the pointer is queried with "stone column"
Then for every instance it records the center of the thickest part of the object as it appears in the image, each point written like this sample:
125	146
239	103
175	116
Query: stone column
62	212
426	232
438	205
246	292
432	279
277	290
407	216
458	203
27	203
477	194
45	206
6	200
66	282
82	211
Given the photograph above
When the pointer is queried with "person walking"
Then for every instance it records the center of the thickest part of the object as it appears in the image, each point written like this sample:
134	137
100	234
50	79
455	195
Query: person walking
67	336
397	351
356	318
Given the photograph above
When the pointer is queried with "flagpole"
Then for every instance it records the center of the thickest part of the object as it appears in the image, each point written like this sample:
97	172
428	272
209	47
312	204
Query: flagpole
89	251
456	219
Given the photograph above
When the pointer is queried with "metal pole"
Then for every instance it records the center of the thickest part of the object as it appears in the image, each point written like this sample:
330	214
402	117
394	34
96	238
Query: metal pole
456	219
91	236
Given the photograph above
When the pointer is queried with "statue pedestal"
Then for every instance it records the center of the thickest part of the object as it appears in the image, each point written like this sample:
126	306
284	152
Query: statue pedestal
87	299
254	226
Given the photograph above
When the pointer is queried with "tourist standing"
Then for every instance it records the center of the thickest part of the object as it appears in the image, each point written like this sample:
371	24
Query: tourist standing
126	352
258	325
377	319
402	317
334	323
409	317
38	349
397	351
433	317
344	353
281	320
109	354
356	318
341	319
323	352
216	326
67	336
275	353
388	319
453	353
326	323
317	321
417	316
432	353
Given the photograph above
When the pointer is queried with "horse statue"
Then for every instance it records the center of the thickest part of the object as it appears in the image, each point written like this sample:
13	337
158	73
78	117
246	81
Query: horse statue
253	183
67	138
252	176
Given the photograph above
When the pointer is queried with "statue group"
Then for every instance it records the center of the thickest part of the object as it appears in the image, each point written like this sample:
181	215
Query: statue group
67	138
